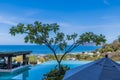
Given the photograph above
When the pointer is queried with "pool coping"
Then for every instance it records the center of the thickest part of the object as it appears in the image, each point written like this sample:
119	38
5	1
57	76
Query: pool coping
15	69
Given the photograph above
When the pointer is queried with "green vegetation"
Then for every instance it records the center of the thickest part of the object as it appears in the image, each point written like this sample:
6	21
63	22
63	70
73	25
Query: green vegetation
81	56
113	49
40	34
55	74
32	59
18	59
42	59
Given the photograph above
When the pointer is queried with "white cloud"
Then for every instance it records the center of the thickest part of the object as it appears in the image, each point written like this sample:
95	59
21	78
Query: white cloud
106	2
14	20
108	17
7	20
32	12
111	31
64	24
7	39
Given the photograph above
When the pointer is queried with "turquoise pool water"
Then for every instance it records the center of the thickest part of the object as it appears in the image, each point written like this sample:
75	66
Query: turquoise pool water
36	72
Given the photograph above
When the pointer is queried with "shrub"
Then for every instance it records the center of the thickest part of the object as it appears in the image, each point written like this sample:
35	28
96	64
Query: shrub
41	59
19	58
56	74
32	59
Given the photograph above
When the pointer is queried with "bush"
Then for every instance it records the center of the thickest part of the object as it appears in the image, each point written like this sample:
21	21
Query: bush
32	59
41	59
56	74
19	59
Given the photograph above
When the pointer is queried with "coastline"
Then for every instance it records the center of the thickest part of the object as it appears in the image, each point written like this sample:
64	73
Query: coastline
42	49
42	58
73	53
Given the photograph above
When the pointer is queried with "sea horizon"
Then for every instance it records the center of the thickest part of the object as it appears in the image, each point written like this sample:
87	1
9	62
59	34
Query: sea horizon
42	49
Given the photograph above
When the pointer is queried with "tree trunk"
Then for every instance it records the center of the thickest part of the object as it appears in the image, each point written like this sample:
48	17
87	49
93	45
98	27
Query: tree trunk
59	65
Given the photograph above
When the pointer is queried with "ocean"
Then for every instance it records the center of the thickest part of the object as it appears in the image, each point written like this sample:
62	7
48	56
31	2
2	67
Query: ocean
36	49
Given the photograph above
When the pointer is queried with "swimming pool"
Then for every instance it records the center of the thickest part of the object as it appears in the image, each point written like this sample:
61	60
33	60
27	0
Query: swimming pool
36	72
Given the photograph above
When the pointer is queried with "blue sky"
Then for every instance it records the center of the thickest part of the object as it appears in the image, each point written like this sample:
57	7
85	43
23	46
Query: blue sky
98	16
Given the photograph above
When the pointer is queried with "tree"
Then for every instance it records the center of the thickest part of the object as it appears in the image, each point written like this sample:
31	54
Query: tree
112	47
115	45
49	35
78	56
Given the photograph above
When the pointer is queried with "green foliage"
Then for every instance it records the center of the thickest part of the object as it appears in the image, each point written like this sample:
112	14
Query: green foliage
78	56
114	46
42	59
55	74
49	35
52	57
90	37
106	48
38	33
32	59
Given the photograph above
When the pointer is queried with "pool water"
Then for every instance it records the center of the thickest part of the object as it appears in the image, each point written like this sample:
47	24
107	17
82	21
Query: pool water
36	72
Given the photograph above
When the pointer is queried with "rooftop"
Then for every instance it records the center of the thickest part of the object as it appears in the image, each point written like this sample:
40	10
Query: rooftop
101	69
3	54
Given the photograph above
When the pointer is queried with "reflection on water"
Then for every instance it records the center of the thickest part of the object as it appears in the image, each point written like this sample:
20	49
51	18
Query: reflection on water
15	75
36	72
21	75
25	75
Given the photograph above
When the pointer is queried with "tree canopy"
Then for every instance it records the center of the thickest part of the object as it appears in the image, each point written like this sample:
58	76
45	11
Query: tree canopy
112	47
49	35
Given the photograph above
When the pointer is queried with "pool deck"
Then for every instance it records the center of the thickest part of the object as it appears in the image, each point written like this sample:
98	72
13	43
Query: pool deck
15	69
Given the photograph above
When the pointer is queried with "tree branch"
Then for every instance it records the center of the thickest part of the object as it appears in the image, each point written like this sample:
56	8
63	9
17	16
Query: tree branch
47	44
69	50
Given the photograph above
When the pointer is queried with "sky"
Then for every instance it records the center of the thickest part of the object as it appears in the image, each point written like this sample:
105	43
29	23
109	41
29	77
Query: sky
79	16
